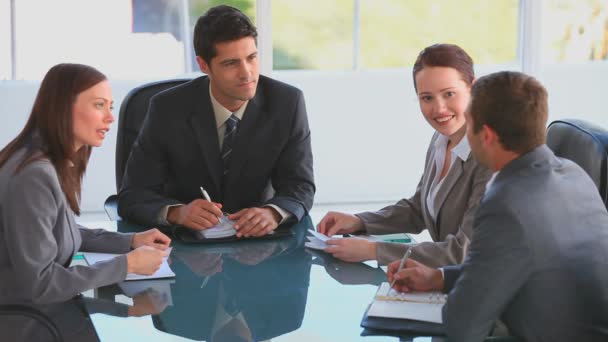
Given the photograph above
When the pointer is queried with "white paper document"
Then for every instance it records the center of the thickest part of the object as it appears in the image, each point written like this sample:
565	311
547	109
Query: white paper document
418	306
163	272
316	240
224	228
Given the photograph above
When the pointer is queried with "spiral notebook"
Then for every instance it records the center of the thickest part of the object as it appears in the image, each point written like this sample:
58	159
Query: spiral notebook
419	306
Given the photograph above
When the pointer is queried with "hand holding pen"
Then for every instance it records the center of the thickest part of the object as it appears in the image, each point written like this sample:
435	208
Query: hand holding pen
406	256
407	275
199	214
208	198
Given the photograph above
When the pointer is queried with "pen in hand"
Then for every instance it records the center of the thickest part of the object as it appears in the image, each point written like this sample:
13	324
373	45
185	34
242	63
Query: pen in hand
403	261
206	196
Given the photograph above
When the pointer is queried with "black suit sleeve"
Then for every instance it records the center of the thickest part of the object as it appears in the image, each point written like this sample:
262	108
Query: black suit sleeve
140	198
292	176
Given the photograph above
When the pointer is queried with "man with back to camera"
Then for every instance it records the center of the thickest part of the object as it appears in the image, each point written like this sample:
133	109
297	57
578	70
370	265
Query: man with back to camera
539	252
242	138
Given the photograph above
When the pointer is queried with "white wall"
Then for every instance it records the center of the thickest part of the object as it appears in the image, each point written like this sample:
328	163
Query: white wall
368	136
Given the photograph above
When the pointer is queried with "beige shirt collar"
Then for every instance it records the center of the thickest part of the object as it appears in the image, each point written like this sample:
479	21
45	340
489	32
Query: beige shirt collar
222	113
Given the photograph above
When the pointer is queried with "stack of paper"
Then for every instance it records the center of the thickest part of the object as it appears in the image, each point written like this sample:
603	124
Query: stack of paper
420	306
163	272
224	228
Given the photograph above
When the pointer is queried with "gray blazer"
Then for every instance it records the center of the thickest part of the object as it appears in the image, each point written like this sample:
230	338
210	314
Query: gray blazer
38	237
538	259
458	198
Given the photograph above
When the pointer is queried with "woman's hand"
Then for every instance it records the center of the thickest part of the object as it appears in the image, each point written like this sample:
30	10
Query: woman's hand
339	223
153	238
145	260
351	249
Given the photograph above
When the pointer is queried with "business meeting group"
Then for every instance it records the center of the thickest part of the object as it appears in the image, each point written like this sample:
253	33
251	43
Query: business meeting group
219	178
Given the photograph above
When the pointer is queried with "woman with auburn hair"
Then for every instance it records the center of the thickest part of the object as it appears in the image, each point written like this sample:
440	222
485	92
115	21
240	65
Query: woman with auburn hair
41	172
451	185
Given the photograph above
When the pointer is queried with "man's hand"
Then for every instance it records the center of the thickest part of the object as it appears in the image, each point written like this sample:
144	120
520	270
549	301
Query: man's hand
199	214
255	221
153	238
339	223
414	276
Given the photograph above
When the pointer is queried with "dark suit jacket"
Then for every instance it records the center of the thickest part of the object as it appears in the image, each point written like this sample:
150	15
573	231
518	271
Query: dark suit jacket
457	201
177	152
538	259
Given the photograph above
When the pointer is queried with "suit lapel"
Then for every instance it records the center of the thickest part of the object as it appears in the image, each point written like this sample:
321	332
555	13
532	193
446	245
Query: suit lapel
448	183
204	126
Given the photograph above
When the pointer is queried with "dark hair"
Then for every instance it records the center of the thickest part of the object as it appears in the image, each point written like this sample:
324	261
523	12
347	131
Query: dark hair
51	122
445	55
220	24
514	105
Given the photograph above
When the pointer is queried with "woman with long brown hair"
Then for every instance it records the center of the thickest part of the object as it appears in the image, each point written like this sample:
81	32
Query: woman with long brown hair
41	172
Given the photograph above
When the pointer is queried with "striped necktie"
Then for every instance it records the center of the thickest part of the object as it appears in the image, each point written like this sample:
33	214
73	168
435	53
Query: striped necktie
231	127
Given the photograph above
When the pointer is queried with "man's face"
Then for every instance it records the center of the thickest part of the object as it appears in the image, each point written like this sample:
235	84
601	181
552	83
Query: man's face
474	138
233	72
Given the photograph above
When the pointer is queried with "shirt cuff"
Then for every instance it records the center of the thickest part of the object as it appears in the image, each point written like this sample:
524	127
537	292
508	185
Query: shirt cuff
284	213
442	274
162	215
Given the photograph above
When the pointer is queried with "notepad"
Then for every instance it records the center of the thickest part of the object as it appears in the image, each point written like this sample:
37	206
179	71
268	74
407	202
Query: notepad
163	272
224	228
420	306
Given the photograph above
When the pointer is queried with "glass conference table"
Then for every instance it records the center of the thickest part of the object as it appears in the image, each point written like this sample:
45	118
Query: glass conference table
245	291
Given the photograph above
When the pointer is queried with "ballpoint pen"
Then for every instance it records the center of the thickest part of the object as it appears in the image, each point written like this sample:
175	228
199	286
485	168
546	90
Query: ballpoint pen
206	196
403	261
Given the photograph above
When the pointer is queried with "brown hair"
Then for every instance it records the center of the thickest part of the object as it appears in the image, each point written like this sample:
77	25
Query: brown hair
51	119
445	55
514	105
219	24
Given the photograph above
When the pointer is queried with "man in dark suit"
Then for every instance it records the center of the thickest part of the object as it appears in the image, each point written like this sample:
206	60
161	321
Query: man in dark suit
539	252
242	137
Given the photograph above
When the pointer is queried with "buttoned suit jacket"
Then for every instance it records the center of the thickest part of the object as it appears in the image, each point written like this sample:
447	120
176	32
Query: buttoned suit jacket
177	152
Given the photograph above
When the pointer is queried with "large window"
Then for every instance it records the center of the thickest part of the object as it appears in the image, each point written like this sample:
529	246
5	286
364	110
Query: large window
394	31
312	34
368	34
127	40
574	58
575	31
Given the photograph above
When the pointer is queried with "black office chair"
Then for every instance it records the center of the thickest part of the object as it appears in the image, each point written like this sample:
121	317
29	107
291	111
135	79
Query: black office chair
132	113
8	311
585	144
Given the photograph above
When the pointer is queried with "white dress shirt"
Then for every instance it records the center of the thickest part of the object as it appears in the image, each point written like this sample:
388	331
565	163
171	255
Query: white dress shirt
460	151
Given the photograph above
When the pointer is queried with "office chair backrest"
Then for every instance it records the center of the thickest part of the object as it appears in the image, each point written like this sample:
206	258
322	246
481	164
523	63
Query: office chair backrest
132	113
22	322
585	144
